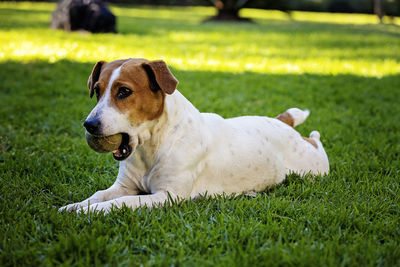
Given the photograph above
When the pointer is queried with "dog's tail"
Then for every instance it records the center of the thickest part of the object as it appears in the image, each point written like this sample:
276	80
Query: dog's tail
293	116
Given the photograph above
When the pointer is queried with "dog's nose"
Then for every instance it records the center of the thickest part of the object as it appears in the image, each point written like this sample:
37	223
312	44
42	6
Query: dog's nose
92	125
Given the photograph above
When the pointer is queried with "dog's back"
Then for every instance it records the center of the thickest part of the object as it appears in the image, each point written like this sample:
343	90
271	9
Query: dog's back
250	153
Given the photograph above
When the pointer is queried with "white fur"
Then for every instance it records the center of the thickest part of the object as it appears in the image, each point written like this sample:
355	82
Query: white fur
185	153
298	115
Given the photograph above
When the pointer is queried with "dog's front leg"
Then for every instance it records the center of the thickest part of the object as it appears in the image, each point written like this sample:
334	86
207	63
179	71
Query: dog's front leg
117	190
132	202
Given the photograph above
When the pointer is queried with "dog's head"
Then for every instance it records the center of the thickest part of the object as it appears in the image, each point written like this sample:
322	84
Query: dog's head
130	93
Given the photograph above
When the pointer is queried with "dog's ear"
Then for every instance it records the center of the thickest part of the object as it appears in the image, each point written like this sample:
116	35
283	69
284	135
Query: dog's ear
94	77
160	76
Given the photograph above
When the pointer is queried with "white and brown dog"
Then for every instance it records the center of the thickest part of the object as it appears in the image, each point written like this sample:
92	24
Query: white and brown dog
171	150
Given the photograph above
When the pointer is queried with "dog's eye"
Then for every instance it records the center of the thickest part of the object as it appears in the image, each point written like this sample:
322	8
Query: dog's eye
123	92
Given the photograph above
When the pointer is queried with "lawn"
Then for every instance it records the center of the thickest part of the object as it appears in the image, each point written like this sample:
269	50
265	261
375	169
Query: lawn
344	68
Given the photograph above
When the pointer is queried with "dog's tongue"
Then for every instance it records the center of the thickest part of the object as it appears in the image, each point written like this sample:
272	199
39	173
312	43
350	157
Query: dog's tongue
117	153
120	152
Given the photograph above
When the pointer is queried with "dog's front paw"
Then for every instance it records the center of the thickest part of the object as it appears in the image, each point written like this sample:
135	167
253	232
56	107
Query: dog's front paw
72	207
104	207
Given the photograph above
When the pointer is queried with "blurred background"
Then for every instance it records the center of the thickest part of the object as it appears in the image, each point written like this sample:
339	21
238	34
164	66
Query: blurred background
379	7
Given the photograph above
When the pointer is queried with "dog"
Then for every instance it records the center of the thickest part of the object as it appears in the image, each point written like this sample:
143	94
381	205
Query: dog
170	150
83	15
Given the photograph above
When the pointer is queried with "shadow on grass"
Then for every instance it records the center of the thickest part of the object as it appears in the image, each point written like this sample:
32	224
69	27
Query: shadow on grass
23	18
45	163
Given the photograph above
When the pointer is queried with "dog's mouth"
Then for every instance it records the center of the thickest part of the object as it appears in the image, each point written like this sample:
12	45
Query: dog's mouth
124	150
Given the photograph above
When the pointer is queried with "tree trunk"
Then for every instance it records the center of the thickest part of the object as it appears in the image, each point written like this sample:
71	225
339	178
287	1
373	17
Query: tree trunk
228	10
378	9
228	14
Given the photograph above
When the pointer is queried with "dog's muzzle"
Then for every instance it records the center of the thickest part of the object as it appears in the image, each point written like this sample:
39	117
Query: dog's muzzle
93	126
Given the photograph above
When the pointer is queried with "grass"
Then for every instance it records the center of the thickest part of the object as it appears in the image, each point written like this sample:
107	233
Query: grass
344	68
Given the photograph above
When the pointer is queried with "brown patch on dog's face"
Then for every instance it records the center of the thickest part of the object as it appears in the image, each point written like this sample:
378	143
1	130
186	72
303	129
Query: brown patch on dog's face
137	90
311	141
143	104
286	118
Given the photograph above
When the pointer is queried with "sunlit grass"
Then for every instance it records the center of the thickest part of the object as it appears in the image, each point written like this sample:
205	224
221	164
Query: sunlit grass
311	43
337	18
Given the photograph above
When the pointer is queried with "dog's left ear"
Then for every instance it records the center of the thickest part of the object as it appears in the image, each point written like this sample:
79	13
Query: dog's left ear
94	77
160	76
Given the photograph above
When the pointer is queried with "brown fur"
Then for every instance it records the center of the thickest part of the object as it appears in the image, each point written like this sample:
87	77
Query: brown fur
147	100
144	104
286	118
94	77
311	141
163	77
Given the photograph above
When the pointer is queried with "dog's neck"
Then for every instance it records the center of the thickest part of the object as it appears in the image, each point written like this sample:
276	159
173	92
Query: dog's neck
149	136
137	170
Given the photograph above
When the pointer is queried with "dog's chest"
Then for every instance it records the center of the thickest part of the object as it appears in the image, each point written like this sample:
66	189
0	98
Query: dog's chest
139	168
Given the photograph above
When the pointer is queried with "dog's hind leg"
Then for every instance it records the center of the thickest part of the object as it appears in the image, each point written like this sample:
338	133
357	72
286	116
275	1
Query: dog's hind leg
308	156
323	166
293	116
